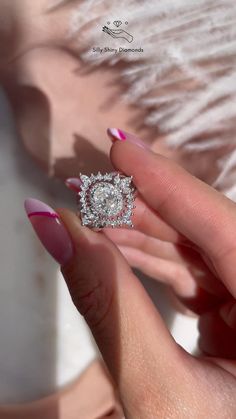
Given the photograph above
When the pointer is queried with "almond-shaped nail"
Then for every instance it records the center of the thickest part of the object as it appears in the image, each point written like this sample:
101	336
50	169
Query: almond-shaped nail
120	135
73	183
50	231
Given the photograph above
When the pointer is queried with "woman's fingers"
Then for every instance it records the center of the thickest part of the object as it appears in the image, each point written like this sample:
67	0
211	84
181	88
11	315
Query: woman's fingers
126	326
144	218
194	209
148	244
188	258
179	277
149	222
170	273
130	333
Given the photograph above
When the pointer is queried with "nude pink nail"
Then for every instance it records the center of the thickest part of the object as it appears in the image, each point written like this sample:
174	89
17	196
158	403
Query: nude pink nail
50	231
73	183
118	134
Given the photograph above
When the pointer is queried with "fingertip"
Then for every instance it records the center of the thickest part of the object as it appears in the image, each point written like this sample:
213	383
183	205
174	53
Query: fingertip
80	234
68	217
73	184
116	134
120	154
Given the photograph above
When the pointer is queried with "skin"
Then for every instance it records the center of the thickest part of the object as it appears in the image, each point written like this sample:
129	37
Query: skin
196	225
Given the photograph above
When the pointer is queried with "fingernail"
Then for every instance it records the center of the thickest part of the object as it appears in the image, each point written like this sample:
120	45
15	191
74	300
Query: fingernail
73	183
50	231
118	134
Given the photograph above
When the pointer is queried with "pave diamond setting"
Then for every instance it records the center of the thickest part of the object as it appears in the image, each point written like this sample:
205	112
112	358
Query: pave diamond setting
106	200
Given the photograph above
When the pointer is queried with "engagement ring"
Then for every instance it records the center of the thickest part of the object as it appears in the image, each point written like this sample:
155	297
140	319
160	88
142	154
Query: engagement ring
106	200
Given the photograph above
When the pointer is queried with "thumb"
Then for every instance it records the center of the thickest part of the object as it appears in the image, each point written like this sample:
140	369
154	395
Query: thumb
131	335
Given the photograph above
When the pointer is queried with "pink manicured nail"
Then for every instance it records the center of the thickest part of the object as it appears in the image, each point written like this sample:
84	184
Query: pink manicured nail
73	183
49	230
118	134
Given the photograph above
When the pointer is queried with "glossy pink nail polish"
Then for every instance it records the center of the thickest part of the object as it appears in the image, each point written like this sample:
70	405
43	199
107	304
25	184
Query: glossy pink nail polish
118	134
73	183
49	230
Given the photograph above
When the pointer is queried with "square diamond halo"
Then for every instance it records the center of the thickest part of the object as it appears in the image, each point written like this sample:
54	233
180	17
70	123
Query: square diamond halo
106	200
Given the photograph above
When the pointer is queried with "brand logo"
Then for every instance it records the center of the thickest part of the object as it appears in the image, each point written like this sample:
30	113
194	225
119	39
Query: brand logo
117	30
118	33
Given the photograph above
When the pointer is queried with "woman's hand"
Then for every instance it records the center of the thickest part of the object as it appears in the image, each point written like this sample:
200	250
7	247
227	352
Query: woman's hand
156	378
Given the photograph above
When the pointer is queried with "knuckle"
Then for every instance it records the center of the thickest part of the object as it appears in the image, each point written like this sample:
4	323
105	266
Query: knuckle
92	297
87	302
95	305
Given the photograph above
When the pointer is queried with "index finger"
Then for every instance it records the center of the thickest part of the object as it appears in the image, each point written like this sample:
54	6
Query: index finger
193	208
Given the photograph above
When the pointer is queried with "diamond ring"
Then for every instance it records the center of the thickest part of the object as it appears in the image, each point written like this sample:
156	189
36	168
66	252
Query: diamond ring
106	200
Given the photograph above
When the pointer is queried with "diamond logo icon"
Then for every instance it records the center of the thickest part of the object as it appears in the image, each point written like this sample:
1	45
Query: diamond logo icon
117	23
107	200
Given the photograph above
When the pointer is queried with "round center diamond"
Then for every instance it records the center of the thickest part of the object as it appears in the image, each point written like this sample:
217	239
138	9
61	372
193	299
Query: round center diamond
106	199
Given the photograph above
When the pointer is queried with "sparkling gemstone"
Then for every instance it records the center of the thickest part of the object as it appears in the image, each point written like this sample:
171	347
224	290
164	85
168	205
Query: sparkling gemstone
106	199
84	178
117	179
125	185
